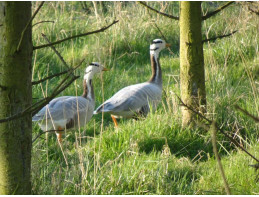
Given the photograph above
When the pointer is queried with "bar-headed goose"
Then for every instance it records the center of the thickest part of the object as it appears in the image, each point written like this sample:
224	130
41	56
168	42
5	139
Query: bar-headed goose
70	112
136	99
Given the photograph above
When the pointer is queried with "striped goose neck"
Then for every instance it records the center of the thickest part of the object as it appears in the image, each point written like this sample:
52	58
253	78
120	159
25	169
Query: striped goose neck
88	89
156	70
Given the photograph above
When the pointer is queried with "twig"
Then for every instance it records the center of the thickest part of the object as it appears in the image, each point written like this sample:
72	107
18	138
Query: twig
42	132
76	36
214	144
164	14
42	22
50	77
33	109
256	119
39	105
219	37
210	14
219	129
54	49
27	25
160	33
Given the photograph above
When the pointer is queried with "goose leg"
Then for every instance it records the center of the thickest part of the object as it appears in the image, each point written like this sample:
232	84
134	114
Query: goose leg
115	121
59	134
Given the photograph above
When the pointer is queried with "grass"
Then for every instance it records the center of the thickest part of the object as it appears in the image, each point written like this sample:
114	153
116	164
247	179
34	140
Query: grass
154	155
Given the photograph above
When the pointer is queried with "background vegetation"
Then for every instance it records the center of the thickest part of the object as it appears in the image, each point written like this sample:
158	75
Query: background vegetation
154	155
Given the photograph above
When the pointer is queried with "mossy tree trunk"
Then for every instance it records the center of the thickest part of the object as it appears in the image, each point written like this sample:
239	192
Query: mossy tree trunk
192	62
15	96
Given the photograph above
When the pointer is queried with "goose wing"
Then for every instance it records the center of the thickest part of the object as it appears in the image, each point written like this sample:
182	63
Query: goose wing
132	98
65	107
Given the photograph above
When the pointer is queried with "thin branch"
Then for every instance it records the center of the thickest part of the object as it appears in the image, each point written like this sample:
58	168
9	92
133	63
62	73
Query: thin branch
46	100
42	132
157	11
219	37
219	129
154	23
76	36
256	119
39	105
27	25
50	77
34	108
214	144
210	14
42	22
54	49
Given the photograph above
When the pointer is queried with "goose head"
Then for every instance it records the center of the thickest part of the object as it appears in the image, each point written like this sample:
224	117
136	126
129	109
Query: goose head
157	45
93	69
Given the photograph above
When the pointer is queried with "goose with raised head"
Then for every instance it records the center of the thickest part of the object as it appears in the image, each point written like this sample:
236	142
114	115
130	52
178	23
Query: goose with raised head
70	112
135	100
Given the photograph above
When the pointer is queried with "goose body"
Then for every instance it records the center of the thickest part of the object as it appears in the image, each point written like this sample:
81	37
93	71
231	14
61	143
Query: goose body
136	99
132	100
70	112
66	112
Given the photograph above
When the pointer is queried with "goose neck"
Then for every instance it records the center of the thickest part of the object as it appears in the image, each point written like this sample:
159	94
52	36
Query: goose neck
156	69
88	92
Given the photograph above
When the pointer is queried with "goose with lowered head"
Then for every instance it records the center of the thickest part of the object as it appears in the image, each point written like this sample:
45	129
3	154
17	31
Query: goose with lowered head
70	112
135	100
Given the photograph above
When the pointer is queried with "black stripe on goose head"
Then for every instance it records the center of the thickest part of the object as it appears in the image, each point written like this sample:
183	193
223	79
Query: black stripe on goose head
94	64
157	41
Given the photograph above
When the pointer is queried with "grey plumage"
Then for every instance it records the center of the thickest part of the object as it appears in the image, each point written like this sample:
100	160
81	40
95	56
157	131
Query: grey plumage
71	111
137	99
132	99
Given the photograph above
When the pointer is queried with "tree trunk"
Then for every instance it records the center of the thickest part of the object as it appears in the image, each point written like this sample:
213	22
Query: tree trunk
192	63
15	96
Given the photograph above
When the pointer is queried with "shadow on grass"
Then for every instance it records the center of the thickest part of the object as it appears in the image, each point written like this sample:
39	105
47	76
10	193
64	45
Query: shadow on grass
193	144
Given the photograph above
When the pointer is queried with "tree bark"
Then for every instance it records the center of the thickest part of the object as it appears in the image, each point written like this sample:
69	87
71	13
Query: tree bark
15	96
192	77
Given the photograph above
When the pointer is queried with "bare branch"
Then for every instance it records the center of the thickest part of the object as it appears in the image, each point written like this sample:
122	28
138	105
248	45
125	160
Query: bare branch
219	37
219	129
42	22
50	77
256	119
39	105
27	25
214	144
157	11
54	49
210	14
42	132
76	36
34	108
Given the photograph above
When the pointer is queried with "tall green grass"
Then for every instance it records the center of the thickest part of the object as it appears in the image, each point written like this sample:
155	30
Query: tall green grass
153	155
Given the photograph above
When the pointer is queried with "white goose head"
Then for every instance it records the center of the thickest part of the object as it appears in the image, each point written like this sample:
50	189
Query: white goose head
157	45
93	69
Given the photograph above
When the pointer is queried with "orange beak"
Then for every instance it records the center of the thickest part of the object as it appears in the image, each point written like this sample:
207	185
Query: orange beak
167	45
105	69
